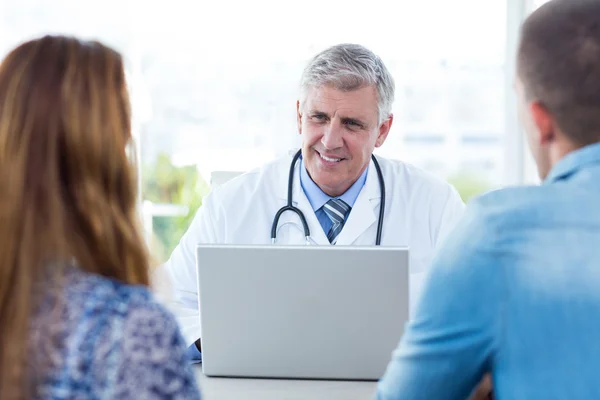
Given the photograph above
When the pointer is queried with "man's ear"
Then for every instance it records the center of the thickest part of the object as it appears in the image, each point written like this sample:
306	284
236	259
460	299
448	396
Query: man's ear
384	130
299	117
544	123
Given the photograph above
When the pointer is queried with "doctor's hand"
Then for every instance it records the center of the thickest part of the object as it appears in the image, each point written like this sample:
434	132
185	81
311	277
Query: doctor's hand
484	390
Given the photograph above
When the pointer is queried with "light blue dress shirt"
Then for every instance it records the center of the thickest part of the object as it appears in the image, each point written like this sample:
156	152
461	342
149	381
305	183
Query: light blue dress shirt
317	199
514	291
193	355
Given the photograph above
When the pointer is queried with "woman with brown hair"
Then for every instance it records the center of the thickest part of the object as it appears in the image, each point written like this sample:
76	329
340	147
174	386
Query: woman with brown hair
76	317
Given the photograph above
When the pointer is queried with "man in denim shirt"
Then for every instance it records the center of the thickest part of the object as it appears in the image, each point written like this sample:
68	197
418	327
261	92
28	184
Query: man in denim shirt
515	290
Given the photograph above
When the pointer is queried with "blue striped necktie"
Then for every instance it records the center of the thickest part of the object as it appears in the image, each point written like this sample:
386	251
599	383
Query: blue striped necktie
336	210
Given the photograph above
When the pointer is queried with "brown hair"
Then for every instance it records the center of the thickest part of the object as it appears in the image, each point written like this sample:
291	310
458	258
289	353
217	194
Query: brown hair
559	65
67	185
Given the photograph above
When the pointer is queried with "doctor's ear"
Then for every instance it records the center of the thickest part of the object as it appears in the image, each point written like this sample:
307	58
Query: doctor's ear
384	130
299	117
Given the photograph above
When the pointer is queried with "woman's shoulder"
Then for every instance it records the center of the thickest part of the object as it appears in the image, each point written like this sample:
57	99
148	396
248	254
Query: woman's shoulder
99	294
131	312
91	308
128	342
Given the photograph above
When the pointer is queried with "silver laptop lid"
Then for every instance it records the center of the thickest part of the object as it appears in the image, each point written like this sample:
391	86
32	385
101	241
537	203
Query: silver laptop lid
326	312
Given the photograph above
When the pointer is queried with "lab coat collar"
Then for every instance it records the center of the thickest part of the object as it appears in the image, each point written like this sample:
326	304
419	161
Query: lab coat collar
365	211
299	200
282	177
371	186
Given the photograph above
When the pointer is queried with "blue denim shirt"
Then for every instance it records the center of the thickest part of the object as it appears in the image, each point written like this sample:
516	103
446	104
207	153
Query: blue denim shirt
515	292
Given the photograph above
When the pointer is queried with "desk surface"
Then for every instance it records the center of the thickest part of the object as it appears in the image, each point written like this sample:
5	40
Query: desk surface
278	389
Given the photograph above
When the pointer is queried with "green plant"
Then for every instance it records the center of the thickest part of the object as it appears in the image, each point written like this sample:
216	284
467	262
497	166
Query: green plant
164	183
469	185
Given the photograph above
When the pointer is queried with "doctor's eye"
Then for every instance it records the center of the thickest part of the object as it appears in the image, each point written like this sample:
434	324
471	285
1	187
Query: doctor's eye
318	117
353	124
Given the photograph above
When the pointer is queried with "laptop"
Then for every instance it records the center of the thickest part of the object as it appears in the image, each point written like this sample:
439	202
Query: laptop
302	312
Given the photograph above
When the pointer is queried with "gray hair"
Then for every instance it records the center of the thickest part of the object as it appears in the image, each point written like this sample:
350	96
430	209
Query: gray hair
348	67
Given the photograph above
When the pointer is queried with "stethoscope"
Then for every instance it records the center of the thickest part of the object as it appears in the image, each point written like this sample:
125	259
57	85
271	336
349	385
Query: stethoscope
300	214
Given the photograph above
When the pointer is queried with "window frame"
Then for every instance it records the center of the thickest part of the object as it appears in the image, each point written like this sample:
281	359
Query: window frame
515	149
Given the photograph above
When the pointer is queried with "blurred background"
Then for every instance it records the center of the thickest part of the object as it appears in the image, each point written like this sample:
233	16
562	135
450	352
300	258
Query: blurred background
214	85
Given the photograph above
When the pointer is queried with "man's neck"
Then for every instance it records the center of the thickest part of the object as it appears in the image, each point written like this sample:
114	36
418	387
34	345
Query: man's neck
338	191
561	148
317	196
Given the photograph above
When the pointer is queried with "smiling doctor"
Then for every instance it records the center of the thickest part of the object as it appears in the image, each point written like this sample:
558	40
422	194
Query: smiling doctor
331	192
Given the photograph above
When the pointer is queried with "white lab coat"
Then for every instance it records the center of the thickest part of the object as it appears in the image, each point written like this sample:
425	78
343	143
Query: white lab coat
420	210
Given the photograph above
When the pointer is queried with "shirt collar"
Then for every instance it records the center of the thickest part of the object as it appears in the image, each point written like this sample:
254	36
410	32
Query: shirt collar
317	198
573	162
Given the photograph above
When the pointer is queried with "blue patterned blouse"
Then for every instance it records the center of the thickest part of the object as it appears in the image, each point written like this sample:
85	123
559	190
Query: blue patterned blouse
96	338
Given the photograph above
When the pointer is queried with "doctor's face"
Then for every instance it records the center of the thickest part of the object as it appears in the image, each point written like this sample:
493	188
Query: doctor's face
339	132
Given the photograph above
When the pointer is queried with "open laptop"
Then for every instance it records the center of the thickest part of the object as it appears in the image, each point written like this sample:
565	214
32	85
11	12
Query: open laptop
311	312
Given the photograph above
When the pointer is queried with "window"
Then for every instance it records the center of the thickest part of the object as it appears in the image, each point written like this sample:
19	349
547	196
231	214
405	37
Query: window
215	90
530	173
537	3
223	89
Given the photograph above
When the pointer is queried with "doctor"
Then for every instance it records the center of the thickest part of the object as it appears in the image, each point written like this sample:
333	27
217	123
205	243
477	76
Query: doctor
344	113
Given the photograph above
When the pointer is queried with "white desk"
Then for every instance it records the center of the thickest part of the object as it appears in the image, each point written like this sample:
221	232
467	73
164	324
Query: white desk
276	389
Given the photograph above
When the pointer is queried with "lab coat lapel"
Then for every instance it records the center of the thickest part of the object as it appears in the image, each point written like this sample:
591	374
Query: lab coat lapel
300	201
363	214
316	230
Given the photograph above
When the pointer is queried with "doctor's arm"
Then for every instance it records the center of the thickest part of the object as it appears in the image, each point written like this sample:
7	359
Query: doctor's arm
453	210
181	272
451	340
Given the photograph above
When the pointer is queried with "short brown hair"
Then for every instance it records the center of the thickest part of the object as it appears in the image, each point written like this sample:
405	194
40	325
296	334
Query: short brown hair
558	63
